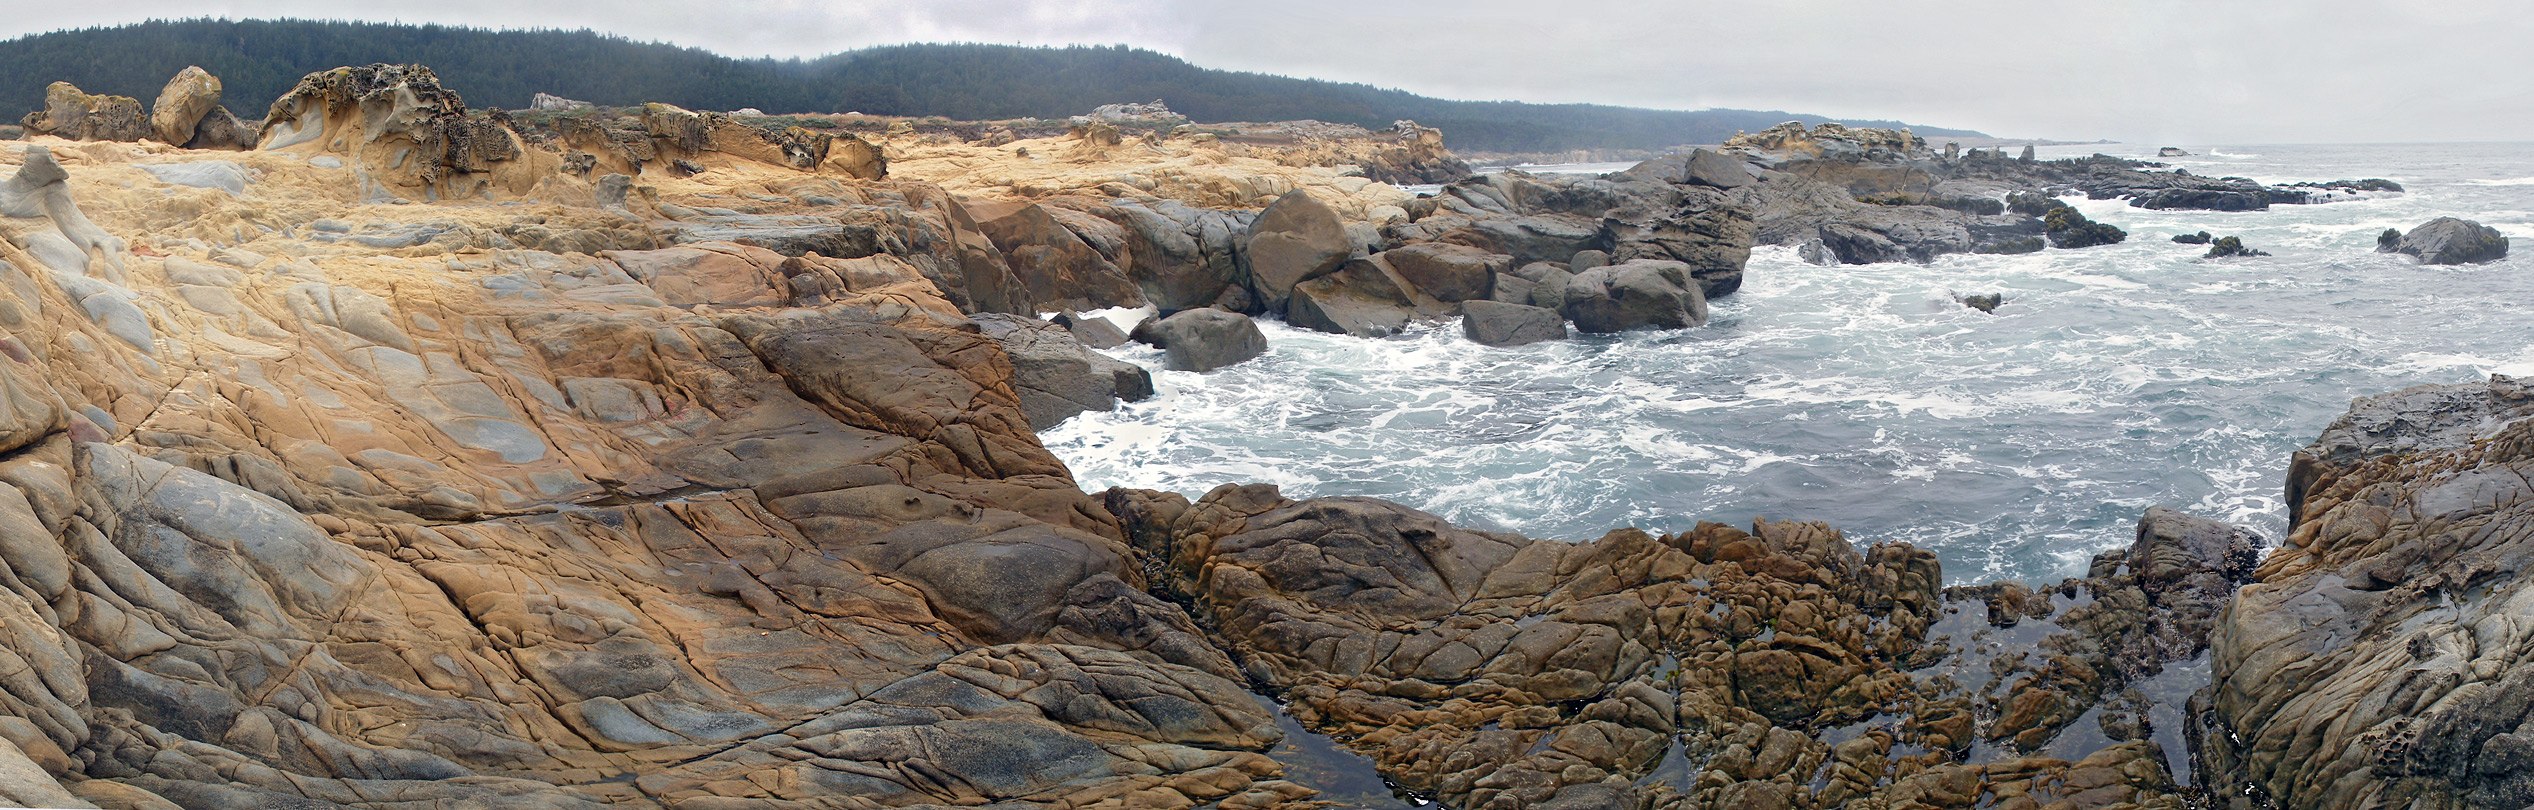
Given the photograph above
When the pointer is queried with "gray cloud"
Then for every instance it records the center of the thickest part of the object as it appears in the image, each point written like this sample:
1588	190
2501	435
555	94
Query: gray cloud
2203	71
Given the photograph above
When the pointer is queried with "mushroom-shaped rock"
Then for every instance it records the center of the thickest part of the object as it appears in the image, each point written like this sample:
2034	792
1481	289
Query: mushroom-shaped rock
1203	339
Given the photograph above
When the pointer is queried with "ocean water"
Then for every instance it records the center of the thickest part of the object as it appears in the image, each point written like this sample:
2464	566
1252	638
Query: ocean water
2014	445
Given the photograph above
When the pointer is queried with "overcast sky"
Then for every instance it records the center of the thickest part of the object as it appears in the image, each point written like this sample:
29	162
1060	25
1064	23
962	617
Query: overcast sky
2201	72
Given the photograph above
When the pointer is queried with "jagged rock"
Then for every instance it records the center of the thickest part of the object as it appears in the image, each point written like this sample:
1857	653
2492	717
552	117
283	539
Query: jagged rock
69	113
2200	238
2447	240
1502	324
182	105
1984	303
1056	376
412	137
1297	239
1635	294
1203	339
2349	675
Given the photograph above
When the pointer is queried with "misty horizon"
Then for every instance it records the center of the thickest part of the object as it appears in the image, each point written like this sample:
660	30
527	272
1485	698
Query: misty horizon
2254	73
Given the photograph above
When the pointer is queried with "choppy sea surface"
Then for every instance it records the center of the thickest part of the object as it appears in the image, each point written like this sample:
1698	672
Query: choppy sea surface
2014	445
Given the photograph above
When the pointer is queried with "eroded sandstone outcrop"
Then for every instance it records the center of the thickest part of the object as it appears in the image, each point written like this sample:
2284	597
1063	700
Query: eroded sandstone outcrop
662	488
2377	661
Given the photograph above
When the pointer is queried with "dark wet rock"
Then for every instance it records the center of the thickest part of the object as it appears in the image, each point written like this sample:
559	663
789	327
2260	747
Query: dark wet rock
1056	375
2447	240
2171	151
1707	168
2203	199
2029	244
1093	331
1635	294
2225	246
2137	611
1704	229
1503	324
2068	229
2200	238
1984	303
1203	339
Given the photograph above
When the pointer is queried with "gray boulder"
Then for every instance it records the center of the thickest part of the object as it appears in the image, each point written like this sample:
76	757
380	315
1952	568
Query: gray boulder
1500	324
1203	339
1513	289
1636	294
1056	376
1095	332
1707	168
1359	299
1298	238
2447	240
1450	273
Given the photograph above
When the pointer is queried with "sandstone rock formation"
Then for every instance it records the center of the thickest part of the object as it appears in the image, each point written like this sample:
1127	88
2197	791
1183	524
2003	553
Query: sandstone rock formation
182	105
2372	664
411	137
664	488
69	113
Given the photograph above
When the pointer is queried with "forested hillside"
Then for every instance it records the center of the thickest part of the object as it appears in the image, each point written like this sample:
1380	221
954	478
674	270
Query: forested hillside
259	59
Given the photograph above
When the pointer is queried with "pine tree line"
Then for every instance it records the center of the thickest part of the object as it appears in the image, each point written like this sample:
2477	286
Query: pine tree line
258	60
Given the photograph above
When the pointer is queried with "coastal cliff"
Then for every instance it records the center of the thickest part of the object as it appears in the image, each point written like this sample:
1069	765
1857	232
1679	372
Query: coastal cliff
424	457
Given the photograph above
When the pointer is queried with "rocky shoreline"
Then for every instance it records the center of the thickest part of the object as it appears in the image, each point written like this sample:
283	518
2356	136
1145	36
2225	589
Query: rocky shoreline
420	457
